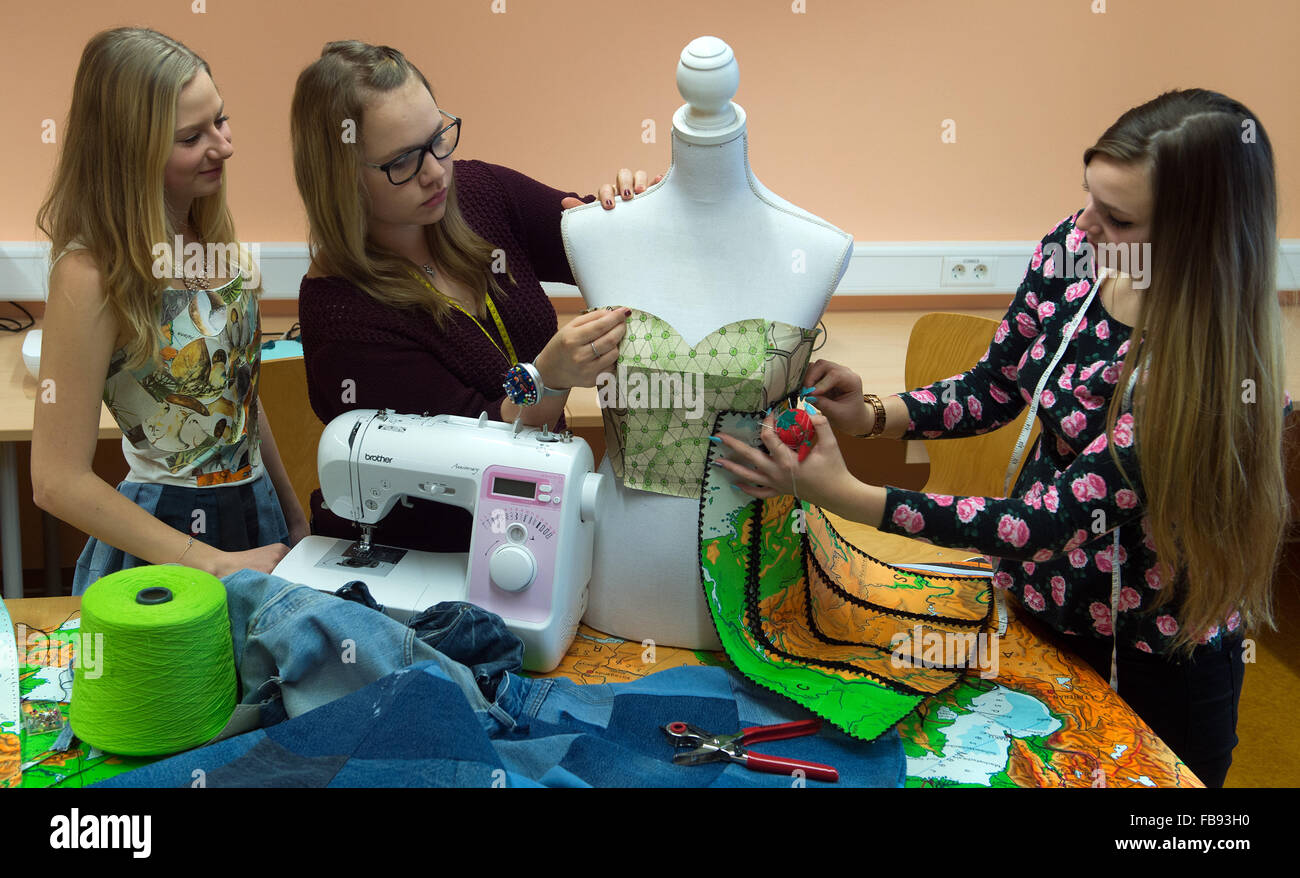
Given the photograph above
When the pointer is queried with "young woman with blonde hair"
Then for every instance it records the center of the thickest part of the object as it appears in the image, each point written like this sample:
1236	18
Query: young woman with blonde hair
1147	522
425	284
168	340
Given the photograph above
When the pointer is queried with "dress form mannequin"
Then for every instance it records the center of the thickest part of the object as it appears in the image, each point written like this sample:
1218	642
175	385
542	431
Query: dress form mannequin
706	246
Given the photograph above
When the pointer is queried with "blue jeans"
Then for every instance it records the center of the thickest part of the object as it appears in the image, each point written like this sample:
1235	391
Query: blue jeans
297	648
473	636
236	518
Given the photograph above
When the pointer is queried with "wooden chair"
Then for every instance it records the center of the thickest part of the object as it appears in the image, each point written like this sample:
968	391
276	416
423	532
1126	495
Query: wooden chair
283	394
942	345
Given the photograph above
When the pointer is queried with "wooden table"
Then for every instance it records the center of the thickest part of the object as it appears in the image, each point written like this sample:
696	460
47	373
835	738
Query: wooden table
1077	753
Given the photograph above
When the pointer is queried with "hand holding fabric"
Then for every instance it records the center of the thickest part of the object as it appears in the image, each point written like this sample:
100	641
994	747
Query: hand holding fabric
577	354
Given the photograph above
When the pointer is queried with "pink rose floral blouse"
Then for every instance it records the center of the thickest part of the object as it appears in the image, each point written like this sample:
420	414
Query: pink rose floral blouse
1040	539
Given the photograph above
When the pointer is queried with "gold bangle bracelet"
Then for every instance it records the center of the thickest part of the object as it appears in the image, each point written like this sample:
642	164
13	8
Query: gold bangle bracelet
878	426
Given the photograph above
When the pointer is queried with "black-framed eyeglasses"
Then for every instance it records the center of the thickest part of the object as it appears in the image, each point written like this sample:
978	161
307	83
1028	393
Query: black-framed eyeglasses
408	164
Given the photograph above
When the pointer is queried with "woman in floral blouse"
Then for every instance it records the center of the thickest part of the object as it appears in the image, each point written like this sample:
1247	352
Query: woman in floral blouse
1184	185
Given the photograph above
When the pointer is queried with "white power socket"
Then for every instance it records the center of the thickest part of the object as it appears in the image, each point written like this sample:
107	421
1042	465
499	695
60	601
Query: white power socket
967	271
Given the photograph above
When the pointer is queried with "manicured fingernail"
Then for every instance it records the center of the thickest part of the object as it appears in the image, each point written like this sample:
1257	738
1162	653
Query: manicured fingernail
717	439
808	389
812	399
627	193
609	203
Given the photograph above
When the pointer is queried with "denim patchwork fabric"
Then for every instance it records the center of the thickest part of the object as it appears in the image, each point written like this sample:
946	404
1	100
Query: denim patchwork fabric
415	727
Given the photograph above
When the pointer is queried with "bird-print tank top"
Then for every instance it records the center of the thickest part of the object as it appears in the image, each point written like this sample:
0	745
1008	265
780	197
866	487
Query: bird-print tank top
191	420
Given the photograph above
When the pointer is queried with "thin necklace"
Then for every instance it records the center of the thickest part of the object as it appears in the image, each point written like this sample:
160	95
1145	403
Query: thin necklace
193	283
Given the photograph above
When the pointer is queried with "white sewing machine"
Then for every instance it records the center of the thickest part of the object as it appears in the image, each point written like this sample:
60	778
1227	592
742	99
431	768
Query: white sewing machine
533	496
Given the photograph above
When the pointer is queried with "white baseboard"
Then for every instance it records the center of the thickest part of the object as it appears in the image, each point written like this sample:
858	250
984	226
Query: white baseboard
876	269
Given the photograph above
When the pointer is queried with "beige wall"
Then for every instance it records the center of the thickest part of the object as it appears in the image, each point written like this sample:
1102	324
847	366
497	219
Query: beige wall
845	101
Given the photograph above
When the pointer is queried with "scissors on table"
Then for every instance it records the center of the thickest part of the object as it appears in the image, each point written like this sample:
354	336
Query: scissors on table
696	746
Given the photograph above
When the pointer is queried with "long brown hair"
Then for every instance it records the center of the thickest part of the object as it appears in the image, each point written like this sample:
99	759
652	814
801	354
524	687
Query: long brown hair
331	95
1208	409
107	192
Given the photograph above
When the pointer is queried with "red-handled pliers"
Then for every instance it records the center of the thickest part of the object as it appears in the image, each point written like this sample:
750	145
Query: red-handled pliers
707	747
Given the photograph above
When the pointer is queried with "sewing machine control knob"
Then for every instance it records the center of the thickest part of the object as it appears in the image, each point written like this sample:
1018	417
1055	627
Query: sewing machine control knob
512	568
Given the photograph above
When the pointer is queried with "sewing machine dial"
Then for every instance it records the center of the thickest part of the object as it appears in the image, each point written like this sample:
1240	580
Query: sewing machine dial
512	564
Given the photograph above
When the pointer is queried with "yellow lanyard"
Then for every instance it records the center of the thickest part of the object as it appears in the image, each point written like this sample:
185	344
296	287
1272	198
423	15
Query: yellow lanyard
496	318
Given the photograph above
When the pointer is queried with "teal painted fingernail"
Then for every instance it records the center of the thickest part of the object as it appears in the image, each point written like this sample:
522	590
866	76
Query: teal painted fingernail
812	399
717	439
808	389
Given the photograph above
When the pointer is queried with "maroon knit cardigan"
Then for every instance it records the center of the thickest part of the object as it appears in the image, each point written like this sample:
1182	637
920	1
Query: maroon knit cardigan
398	359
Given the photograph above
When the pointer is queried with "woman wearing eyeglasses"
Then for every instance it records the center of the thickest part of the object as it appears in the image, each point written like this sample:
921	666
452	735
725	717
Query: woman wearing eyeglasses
424	292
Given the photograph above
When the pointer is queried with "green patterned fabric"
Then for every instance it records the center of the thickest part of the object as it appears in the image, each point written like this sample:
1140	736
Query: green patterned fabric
802	611
659	411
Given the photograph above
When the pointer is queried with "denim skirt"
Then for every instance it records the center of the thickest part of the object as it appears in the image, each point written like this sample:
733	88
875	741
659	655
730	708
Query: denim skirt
233	518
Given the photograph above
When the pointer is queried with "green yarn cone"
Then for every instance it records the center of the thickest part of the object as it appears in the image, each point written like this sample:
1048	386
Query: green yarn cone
155	672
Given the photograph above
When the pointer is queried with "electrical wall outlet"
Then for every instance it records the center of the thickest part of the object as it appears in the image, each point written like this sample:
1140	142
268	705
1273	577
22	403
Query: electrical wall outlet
967	271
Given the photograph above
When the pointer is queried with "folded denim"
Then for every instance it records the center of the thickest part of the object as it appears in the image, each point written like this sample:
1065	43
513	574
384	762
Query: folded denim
464	632
297	648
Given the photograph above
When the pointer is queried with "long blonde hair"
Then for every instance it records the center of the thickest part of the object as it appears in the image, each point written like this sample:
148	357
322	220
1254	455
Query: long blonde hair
107	191
1208	411
328	104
